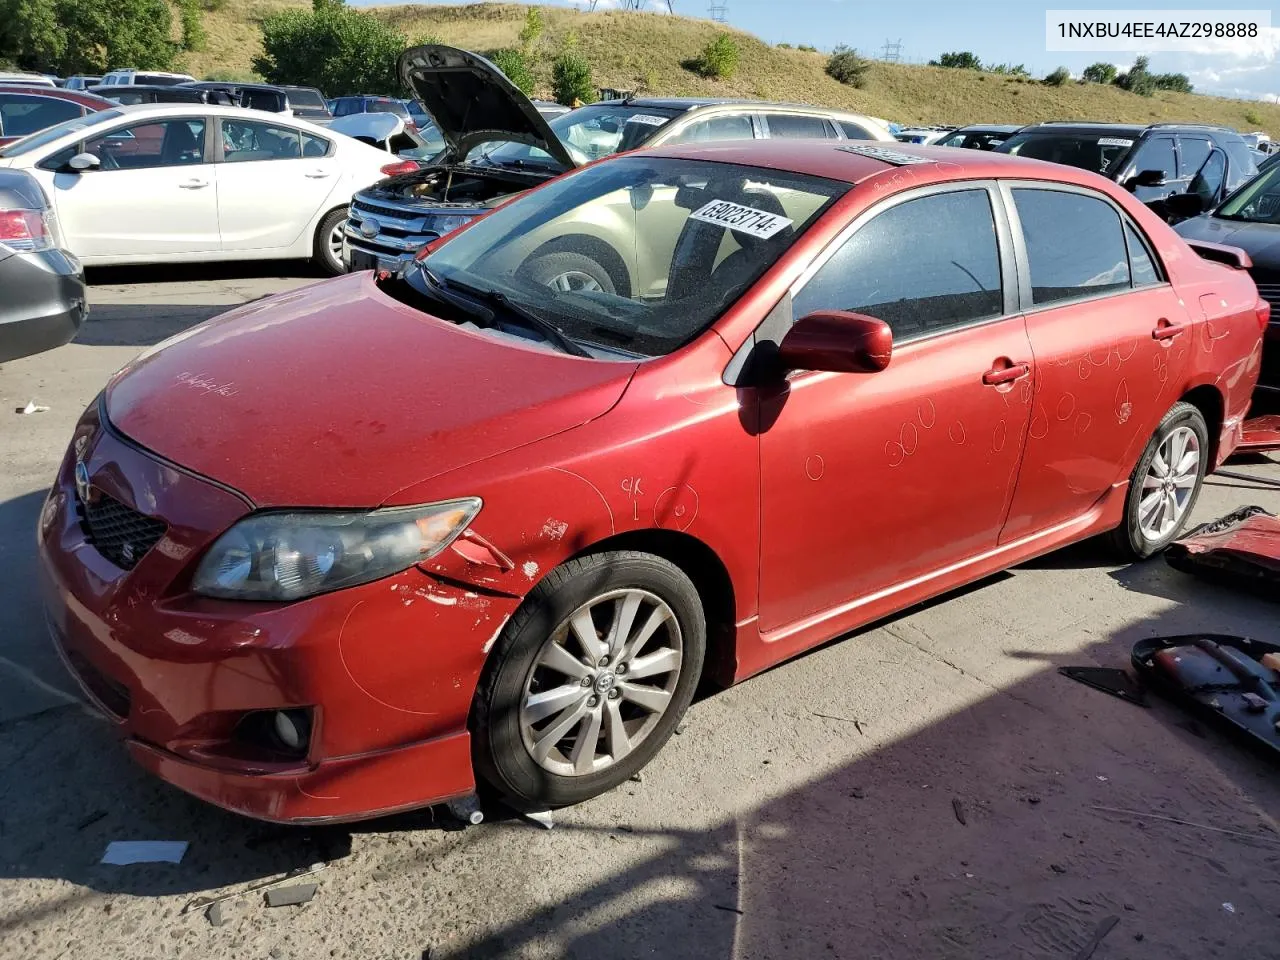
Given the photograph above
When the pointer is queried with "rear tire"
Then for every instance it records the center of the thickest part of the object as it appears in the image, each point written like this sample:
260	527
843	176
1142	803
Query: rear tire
326	248
1162	494
568	270
553	725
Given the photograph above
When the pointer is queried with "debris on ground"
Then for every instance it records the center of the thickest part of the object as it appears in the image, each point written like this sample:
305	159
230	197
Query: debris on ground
727	909
31	407
857	724
1144	815
1229	907
214	915
1241	549
1220	676
290	896
200	902
1110	680
91	819
466	810
1099	934
124	852
541	818
958	809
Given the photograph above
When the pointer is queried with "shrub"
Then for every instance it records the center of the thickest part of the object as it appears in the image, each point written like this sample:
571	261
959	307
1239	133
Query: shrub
571	79
1251	117
719	58
1008	69
194	37
1099	73
1177	82
332	47
1059	78
846	66
212	6
512	64
1137	79
805	48
531	32
784	46
962	60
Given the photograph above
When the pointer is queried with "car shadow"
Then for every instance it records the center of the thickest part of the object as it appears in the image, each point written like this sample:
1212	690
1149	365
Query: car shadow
193	272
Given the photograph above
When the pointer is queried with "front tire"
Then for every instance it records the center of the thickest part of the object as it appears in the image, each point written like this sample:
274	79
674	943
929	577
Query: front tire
326	249
569	271
1165	484
589	679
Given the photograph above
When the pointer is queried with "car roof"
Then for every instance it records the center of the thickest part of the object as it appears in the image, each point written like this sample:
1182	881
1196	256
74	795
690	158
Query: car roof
855	162
696	103
58	93
161	110
990	128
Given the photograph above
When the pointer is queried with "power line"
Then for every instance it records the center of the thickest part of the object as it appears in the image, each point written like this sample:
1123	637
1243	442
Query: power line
892	51
719	11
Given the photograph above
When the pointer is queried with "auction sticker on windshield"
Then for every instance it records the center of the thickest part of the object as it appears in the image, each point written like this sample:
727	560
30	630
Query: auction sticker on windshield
648	119
749	220
1114	142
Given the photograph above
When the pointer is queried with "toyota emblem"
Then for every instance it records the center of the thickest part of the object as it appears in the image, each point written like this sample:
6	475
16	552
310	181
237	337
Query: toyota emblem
369	228
83	489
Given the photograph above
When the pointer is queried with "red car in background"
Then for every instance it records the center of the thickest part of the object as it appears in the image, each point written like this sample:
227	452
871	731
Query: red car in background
351	548
25	110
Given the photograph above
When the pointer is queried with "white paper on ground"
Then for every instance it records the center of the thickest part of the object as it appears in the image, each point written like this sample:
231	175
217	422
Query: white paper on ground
144	851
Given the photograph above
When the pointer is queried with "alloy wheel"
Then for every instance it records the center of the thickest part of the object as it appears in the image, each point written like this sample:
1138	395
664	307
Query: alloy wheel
601	682
1169	484
572	281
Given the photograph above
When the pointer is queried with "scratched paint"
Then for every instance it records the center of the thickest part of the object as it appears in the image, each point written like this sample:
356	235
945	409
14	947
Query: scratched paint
1066	406
927	414
530	569
956	433
1124	407
814	467
554	529
676	507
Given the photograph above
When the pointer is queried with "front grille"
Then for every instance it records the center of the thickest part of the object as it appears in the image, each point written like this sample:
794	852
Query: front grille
110	693
373	209
118	532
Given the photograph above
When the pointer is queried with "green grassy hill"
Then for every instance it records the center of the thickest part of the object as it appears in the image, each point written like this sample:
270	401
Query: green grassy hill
645	52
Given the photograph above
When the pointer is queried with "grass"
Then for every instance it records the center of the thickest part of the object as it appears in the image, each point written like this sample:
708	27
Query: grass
644	52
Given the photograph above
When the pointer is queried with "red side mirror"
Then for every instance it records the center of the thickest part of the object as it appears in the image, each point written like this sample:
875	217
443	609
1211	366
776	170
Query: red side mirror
836	341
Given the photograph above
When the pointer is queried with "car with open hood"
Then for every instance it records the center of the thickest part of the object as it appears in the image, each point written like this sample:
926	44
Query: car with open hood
499	143
362	546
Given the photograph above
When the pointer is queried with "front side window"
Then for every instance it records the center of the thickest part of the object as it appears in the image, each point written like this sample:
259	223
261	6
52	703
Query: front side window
1192	153
707	232
21	114
160	143
1208	181
247	140
716	128
789	126
922	266
1257	202
1075	245
1242	163
1157	154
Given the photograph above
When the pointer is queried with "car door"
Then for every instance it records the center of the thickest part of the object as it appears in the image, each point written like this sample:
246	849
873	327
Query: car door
153	193
272	180
1110	339
869	480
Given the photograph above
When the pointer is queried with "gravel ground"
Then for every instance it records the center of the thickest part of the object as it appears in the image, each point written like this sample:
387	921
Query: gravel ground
774	826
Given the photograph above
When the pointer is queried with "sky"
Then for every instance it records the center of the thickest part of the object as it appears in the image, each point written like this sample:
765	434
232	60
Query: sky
998	31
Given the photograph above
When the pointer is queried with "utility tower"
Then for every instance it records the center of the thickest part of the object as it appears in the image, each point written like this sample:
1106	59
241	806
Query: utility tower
719	11
892	51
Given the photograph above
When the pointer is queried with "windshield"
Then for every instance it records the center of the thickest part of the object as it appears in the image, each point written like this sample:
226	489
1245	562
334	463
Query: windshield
1258	201
631	258
1098	152
38	140
589	132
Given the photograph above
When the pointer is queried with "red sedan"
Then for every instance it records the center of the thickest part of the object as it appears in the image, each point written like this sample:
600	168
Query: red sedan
26	110
347	550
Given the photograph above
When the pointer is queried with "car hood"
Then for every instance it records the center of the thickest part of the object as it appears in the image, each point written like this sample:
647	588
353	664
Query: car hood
1260	240
372	126
335	395
473	102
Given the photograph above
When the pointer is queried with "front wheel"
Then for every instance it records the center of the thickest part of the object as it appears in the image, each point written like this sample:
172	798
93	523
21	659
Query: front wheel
1165	484
326	251
569	271
589	679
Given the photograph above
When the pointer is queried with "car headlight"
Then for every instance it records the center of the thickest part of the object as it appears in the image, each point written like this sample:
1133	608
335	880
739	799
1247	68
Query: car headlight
295	554
448	222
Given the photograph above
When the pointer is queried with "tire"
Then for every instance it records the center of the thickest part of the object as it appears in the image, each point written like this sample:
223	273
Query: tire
568	270
1137	538
322	254
506	732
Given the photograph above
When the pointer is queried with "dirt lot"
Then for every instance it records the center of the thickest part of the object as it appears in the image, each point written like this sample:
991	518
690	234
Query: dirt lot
774	826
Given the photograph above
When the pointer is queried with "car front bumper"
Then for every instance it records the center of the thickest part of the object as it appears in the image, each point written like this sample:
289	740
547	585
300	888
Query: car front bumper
388	669
43	302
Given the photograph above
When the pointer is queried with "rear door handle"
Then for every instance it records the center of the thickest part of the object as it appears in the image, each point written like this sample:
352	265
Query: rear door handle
998	375
318	174
194	184
1164	330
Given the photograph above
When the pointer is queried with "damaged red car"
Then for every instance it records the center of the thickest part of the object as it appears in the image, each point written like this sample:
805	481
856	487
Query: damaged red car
359	547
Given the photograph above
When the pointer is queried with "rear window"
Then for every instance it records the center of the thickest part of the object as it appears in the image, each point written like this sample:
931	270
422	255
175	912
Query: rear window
21	114
159	79
388	106
301	97
44	137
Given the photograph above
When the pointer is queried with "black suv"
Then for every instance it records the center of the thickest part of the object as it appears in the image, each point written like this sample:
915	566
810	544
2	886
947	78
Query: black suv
1156	163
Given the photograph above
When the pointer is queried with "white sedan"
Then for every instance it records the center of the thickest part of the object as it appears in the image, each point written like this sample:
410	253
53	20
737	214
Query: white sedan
174	182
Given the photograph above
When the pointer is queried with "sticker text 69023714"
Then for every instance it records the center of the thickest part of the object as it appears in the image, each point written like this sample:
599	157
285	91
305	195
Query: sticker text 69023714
748	220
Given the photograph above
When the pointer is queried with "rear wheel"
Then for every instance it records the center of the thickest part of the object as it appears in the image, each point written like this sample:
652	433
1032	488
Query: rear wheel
589	679
1165	484
326	251
568	270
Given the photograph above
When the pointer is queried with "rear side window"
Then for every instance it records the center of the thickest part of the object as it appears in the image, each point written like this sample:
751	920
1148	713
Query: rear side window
922	266
1141	267
790	126
247	140
1075	245
855	132
21	114
314	146
717	128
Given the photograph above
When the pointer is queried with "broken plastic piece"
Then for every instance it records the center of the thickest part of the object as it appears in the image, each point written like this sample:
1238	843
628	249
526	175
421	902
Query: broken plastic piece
1118	683
291	896
122	852
31	407
540	817
1241	549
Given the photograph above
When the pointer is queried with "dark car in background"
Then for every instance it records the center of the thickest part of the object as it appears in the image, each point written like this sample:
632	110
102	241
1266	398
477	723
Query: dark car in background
44	296
307	103
1153	162
25	110
1250	219
980	136
128	94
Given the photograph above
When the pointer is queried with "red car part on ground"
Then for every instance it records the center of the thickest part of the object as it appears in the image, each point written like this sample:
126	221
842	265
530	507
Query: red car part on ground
795	509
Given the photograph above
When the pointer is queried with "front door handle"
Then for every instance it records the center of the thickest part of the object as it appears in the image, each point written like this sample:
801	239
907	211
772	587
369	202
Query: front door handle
998	375
194	184
318	174
1164	330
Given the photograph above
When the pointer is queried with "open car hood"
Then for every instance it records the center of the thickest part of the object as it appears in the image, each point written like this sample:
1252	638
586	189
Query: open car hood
473	102
372	126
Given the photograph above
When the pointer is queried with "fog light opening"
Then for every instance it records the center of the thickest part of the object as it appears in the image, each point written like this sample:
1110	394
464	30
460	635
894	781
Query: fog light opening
292	730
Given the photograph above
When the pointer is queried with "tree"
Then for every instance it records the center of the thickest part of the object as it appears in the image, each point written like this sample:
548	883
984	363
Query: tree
846	66
1059	78
86	36
1177	82
193	34
531	32
571	79
963	60
512	64
719	58
333	47
1099	73
1137	79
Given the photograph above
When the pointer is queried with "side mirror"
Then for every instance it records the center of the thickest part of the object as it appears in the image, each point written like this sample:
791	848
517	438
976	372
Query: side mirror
838	342
84	161
1184	205
1146	178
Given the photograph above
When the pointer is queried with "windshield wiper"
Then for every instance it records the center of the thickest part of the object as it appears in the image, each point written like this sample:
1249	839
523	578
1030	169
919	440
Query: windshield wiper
493	298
